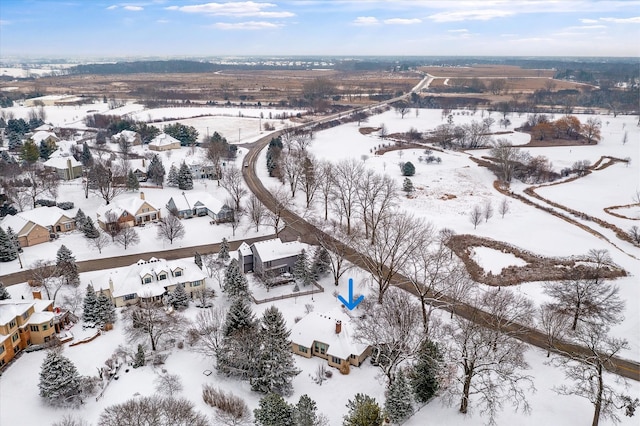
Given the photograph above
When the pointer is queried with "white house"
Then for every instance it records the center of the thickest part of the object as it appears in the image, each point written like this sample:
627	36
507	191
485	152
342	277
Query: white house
133	138
199	203
164	142
67	168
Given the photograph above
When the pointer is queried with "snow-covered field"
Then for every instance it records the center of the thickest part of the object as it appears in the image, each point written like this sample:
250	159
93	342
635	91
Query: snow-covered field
445	193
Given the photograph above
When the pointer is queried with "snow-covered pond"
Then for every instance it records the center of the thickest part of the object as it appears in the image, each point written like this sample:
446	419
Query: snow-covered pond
494	261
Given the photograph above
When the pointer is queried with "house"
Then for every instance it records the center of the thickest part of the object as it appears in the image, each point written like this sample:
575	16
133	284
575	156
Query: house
164	142
245	258
133	138
201	171
129	211
328	336
67	168
199	203
24	323
150	280
271	257
44	136
139	168
38	225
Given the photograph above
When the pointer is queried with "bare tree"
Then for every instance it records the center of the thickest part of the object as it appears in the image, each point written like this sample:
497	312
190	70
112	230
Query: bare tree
554	324
149	321
282	201
337	251
311	177
507	157
128	236
302	140
231	410
383	132
585	369
213	267
376	196
103	181
100	242
291	164
40	182
70	420
111	224
390	329
256	211
326	185
209	329
393	246
487	210
233	182
475	216
45	274
503	208
344	191
402	108
591	129
152	410
168	384
170	228
489	359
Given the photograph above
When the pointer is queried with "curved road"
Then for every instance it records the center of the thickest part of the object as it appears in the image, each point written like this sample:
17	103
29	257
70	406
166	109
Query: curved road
308	233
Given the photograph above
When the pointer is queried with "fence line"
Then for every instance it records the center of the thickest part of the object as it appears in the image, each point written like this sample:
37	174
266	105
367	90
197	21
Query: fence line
319	288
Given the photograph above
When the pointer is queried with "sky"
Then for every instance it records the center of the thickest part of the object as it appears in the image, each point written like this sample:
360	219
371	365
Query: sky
96	28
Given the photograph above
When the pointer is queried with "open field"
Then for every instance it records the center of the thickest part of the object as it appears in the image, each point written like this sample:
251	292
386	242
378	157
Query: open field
484	71
513	84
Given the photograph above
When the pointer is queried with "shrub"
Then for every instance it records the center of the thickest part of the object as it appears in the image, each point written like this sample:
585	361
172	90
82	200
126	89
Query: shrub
45	203
66	205
408	169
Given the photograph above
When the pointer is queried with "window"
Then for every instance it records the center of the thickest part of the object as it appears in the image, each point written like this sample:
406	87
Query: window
130	296
45	327
336	360
162	277
147	280
25	316
196	283
34	328
353	356
15	337
177	273
302	349
12	324
282	270
67	226
1	350
146	209
153	216
125	214
320	347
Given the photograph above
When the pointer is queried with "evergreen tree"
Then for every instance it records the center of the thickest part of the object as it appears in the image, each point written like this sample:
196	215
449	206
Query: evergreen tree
13	237
321	263
223	254
398	405
185	179
8	250
90	306
66	264
46	150
276	367
407	186
408	169
424	374
80	219
363	411
155	171
239	317
172	178
301	270
105	311
273	410
239	352
305	413
89	229
132	181
4	294
197	258
179	298
29	152
86	158
59	380
235	283
139	360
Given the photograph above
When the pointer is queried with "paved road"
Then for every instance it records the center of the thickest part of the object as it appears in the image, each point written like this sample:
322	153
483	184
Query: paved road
308	233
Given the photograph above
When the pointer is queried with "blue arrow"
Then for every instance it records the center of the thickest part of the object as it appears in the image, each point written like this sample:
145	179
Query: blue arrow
351	303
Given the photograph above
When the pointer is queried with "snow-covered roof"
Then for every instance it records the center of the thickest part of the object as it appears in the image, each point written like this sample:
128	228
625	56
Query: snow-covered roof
41	317
244	249
43	216
130	204
192	199
163	139
322	328
62	162
17	223
275	249
64	149
10	309
42	135
129	280
139	164
127	135
44	128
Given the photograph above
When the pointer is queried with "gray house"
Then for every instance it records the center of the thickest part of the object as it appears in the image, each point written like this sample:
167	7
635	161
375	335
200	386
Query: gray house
270	257
199	203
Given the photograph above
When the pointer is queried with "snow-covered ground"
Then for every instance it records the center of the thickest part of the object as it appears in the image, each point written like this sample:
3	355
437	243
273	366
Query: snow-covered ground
445	193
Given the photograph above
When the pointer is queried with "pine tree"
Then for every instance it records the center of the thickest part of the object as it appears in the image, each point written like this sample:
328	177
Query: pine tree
105	311
172	178
276	367
363	411
235	283
185	179
132	181
80	219
89	229
407	186
301	270
139	359
90	306
408	169
30	152
398	405
45	150
59	380
13	237
155	171
239	317
321	263
66	264
223	254
86	158
424	374
197	259
4	294
8	251
273	410
179	298
238	354
305	412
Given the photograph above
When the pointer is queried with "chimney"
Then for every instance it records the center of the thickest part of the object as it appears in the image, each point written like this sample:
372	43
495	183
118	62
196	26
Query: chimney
143	163
37	295
338	327
141	195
